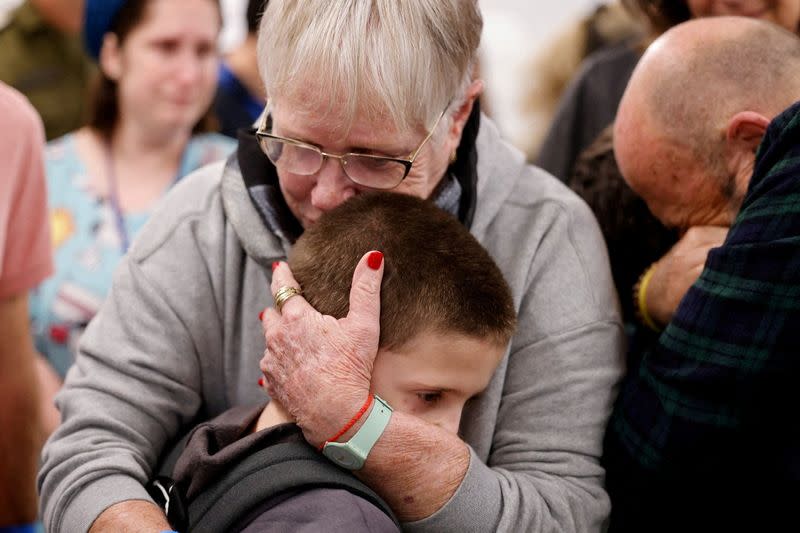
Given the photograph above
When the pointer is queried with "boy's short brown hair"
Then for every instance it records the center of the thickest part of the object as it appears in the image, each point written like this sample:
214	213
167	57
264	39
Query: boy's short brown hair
437	277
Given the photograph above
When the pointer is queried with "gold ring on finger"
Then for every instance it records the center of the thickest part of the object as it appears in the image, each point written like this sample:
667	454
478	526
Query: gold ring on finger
283	294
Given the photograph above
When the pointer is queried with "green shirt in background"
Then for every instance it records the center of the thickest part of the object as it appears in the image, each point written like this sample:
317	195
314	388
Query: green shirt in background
47	66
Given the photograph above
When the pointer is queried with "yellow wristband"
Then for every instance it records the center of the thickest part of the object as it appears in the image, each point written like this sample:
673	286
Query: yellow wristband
641	299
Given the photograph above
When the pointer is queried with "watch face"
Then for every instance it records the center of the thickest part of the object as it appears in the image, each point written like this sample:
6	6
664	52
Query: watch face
353	453
343	457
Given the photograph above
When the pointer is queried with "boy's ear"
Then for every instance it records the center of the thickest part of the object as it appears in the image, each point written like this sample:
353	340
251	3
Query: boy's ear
111	57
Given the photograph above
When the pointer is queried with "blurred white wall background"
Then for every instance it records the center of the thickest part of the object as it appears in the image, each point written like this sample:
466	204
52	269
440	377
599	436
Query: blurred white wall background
9	4
234	26
5	8
515	31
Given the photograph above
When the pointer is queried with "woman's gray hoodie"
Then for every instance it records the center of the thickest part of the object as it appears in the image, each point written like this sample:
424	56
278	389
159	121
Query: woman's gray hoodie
178	338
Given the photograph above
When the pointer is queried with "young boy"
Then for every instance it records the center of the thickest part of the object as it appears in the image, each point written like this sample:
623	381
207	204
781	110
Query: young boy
446	319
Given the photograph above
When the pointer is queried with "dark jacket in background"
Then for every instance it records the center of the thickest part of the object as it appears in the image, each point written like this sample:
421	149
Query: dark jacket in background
589	105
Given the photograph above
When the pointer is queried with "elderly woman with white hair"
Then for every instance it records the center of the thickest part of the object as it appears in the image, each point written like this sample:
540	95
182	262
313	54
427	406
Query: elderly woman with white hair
364	95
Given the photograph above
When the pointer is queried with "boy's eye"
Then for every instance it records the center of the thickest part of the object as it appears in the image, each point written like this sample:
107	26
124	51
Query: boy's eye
429	397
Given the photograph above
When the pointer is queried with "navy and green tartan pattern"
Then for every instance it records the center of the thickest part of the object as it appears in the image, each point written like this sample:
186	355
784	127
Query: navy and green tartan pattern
721	368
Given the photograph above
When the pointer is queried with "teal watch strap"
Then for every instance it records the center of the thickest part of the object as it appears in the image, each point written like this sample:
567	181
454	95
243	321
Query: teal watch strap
353	453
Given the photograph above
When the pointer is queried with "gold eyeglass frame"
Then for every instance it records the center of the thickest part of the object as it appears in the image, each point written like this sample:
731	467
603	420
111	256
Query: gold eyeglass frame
407	163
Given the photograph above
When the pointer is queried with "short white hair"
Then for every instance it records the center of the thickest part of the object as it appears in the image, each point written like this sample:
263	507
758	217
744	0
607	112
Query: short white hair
404	58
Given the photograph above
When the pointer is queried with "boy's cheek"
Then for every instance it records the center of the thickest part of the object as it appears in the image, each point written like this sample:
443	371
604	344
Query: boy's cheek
448	416
445	413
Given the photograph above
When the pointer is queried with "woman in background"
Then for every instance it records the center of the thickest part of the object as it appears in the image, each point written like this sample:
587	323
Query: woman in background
158	67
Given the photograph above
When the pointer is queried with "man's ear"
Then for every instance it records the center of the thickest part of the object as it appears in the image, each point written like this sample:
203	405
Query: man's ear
743	134
111	57
462	113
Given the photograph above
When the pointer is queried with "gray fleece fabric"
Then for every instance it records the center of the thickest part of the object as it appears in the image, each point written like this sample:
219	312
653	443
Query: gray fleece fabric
179	335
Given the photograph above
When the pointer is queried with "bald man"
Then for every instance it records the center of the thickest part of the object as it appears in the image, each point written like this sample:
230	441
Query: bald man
706	434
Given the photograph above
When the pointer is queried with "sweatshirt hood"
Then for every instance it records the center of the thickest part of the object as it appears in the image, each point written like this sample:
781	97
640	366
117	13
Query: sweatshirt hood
267	229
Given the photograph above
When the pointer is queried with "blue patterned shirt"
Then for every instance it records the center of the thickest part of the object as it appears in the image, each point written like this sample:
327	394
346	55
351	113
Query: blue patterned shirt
87	244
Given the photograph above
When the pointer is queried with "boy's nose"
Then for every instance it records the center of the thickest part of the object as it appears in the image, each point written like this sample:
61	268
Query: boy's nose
450	422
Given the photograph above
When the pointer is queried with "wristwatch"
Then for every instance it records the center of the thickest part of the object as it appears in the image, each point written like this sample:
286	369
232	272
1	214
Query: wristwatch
353	454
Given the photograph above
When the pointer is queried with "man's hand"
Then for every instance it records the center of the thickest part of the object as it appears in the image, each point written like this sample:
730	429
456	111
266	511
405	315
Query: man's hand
674	273
319	368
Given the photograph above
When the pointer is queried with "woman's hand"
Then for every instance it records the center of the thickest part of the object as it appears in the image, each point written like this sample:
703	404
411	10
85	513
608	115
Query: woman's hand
319	368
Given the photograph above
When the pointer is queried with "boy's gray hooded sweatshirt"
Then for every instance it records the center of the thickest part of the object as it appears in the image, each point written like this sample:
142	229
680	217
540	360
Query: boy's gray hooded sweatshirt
178	338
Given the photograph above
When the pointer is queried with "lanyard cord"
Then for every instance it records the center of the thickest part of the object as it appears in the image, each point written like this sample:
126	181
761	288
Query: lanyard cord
113	197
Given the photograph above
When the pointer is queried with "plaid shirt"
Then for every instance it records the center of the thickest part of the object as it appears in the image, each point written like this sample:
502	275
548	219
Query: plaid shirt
709	419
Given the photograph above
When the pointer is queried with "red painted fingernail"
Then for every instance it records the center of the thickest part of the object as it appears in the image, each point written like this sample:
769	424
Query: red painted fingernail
260	382
374	260
275	265
261	315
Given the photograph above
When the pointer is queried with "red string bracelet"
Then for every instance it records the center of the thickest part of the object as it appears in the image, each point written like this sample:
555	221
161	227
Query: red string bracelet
352	421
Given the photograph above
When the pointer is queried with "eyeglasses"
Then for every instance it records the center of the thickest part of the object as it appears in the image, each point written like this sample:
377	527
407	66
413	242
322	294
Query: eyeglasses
373	171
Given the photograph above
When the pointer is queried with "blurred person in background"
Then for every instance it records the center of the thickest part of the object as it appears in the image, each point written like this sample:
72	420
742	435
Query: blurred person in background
42	57
555	67
25	260
240	96
590	102
588	107
158	72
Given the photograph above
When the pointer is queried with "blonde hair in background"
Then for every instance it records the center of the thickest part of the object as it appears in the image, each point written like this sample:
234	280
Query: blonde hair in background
405	59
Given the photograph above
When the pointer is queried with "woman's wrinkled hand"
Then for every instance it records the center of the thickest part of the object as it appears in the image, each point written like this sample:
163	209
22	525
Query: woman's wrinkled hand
319	368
